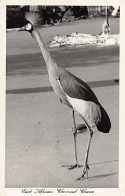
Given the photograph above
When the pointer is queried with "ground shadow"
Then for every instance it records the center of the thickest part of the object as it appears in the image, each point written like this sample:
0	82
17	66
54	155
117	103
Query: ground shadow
101	176
68	166
93	84
97	176
30	90
104	162
33	64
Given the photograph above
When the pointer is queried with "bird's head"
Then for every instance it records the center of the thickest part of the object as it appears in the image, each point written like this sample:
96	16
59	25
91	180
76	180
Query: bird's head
33	20
28	27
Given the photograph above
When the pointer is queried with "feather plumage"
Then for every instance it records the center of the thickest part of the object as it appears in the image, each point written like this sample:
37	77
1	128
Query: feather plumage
93	112
76	88
35	18
105	124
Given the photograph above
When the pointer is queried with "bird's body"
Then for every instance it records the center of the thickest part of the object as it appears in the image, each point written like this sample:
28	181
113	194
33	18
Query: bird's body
73	92
83	100
76	94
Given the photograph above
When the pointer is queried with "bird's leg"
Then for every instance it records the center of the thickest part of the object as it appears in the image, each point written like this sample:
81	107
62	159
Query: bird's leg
75	135
86	166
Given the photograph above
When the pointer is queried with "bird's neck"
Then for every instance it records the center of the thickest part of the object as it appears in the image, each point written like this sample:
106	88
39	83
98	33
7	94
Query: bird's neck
50	63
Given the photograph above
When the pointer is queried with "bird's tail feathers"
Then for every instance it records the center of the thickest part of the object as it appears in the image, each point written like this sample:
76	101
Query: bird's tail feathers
105	124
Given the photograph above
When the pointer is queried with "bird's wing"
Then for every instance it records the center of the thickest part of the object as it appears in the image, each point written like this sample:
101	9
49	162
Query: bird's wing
76	88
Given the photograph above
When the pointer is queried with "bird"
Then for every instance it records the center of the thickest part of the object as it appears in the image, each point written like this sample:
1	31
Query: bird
115	11
71	91
105	25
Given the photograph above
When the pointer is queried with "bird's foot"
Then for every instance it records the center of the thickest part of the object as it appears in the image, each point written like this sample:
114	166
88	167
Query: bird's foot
85	173
82	177
74	166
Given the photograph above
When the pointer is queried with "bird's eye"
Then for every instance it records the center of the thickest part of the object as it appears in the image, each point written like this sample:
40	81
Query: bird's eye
28	27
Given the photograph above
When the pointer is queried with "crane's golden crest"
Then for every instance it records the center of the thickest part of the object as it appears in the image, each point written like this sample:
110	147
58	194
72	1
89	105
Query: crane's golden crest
35	19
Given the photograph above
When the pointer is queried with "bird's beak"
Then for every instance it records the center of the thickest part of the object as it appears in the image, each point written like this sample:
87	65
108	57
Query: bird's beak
22	28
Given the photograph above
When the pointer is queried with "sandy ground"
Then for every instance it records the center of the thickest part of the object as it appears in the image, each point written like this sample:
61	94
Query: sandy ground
39	145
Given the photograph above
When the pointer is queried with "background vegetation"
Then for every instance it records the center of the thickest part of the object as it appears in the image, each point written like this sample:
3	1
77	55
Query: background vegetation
54	14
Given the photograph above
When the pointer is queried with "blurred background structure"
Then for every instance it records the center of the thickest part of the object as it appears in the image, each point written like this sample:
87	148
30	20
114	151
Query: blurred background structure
56	14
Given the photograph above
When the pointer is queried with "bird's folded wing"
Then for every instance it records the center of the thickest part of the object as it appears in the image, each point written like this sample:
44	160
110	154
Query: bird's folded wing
76	88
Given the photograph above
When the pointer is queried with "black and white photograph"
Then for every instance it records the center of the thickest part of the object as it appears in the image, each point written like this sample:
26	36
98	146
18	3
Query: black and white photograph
62	73
62	124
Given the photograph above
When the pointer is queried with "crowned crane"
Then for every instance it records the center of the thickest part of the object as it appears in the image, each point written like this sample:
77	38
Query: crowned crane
105	25
115	11
71	91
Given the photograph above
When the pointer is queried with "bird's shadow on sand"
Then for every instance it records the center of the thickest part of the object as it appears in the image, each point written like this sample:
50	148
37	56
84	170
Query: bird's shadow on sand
68	166
101	176
96	177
